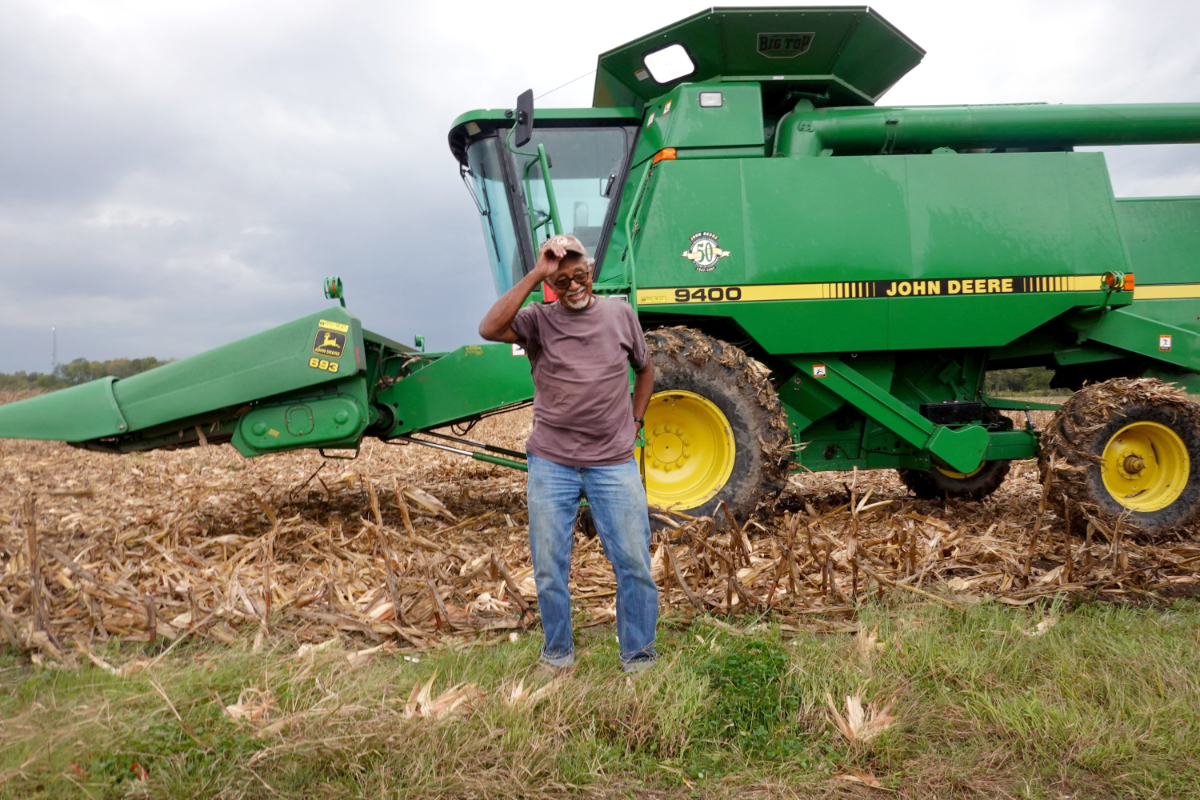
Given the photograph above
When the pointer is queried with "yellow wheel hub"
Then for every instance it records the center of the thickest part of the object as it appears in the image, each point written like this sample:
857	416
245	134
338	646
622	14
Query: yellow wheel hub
689	450
1145	466
961	476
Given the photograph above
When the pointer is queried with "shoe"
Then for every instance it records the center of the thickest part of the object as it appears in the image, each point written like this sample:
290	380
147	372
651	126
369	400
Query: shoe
552	671
641	664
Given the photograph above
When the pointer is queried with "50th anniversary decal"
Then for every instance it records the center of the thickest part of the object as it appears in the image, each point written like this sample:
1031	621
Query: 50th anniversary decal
704	252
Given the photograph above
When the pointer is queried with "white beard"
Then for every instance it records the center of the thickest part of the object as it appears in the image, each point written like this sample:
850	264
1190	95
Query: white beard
578	305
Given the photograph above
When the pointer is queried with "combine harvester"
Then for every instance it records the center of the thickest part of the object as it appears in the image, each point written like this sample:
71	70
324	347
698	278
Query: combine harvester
825	284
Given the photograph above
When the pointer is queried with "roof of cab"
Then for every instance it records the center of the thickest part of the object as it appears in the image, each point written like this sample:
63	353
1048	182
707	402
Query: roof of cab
849	55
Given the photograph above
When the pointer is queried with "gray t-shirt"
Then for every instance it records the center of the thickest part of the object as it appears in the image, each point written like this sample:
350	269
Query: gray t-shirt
582	409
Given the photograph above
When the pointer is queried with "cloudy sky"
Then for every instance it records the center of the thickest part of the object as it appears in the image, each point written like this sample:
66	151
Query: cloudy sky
176	175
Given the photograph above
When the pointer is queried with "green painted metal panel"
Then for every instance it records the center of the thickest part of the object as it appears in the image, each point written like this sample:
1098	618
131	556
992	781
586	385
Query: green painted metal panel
961	448
384	342
982	321
974	251
75	414
780	221
1182	313
824	220
737	122
1021	405
274	362
1011	446
806	402
990	216
653	135
851	54
318	349
466	382
1131	331
1015	215
678	120
687	199
828	326
1163	237
336	421
873	58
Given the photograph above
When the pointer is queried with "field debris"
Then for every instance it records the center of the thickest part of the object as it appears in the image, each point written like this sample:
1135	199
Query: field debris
415	549
456	699
858	776
522	696
861	723
253	705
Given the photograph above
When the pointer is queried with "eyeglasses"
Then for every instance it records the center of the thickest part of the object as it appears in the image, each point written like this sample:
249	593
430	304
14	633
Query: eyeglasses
564	283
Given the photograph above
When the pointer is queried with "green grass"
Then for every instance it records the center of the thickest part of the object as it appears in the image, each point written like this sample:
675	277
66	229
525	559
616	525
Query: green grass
1104	703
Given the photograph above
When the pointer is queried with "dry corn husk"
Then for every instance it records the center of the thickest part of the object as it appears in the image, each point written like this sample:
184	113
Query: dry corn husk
861	723
456	699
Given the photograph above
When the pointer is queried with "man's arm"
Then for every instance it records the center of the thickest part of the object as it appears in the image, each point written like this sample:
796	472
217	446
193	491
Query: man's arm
496	325
643	387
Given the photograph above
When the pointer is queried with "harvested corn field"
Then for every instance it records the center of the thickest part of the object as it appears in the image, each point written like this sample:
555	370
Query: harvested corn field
408	546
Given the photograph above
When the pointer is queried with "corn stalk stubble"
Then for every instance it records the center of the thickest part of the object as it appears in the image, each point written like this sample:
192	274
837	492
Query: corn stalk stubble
203	543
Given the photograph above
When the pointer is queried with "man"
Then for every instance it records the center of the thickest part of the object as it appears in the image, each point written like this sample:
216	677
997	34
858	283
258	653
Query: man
584	427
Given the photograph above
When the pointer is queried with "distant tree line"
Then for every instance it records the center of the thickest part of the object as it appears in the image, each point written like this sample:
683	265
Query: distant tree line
78	371
1030	380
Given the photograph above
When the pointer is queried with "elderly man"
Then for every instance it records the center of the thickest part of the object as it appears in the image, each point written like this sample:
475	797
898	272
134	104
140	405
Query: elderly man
584	429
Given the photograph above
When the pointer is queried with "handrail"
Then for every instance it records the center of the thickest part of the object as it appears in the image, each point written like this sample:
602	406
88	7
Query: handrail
631	271
555	219
544	162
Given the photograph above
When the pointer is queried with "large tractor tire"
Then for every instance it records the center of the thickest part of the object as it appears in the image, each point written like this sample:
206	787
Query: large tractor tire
715	429
941	482
1126	450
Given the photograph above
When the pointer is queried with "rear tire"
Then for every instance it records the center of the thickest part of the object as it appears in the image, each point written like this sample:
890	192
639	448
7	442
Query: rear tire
1126	449
715	429
938	483
585	523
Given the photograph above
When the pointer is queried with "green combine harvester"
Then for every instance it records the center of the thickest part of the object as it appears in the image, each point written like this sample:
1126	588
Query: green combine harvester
824	283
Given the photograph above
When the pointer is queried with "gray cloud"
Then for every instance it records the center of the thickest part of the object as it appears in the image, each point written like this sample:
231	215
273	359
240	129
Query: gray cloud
177	175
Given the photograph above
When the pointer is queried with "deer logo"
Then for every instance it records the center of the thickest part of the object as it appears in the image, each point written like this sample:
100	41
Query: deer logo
329	344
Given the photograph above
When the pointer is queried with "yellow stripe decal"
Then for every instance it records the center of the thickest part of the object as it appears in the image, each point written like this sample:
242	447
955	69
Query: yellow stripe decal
937	287
1181	291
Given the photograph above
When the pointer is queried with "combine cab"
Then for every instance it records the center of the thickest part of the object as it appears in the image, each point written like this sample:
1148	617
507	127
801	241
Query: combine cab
824	283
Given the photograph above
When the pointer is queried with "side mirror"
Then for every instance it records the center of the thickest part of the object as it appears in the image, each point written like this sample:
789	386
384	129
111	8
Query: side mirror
334	291
524	131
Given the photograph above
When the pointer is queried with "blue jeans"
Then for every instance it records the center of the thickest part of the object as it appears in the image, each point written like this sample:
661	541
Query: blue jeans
619	509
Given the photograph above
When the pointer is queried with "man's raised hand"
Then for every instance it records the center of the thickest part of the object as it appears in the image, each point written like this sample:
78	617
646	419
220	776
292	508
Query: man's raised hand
555	247
548	259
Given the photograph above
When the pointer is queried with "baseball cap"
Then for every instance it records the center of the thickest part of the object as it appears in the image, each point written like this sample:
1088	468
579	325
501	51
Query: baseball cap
570	243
